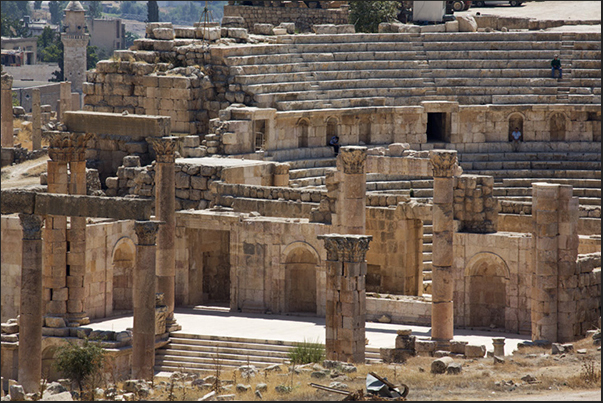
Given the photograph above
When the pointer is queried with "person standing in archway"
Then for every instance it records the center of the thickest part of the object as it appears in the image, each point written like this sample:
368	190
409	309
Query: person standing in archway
516	138
334	142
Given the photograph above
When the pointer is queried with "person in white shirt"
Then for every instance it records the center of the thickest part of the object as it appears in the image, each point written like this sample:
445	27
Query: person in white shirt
516	138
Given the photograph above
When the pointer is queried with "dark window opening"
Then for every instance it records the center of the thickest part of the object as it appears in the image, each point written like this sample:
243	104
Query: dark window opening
436	127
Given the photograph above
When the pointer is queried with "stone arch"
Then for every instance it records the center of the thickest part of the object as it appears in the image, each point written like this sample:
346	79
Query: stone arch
332	128
486	279
516	119
303	133
301	266
557	126
123	260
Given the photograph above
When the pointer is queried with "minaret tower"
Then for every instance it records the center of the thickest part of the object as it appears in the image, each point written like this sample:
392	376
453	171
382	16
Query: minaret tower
75	39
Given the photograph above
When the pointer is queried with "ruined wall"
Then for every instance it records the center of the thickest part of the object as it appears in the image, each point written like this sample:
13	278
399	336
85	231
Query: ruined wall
474	204
500	265
303	18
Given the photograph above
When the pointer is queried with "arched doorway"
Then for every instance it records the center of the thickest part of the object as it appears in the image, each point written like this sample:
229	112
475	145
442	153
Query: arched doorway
515	121
486	279
300	280
124	255
557	127
303	127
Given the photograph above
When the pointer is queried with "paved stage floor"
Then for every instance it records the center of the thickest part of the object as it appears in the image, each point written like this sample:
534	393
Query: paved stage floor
213	321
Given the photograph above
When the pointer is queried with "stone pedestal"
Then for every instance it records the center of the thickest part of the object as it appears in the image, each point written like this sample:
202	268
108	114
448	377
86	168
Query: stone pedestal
7	110
165	207
31	311
143	343
346	296
281	175
499	346
442	315
36	114
351	200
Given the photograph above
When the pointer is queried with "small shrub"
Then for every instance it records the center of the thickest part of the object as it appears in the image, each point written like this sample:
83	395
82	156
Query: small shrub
307	352
590	374
80	363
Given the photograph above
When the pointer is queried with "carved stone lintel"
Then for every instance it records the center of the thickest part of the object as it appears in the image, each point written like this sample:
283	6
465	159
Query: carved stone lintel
354	159
443	162
146	231
346	248
32	226
67	146
164	147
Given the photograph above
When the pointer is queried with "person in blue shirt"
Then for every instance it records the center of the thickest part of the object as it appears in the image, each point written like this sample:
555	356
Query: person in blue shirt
334	142
556	65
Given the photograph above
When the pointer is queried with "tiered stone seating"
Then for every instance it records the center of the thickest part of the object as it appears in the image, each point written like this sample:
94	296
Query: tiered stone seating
320	71
203	354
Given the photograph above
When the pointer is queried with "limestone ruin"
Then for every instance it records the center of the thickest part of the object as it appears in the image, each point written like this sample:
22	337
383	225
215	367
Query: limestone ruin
219	187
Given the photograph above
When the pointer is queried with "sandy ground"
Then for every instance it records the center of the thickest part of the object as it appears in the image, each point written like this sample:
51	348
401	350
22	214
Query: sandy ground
545	10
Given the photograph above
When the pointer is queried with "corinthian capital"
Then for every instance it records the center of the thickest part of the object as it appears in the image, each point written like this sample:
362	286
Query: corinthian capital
164	147
7	81
346	248
353	159
146	231
443	162
67	146
32	226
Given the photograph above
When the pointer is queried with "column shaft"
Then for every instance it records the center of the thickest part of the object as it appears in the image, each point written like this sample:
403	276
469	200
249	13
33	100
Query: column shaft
351	199
165	211
442	313
30	320
36	114
143	343
7	110
65	100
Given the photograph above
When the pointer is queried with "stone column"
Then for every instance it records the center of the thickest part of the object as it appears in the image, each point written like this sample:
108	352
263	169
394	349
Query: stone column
36	114
143	343
76	236
7	110
30	320
65	100
554	310
346	296
351	200
55	231
165	211
499	346
442	316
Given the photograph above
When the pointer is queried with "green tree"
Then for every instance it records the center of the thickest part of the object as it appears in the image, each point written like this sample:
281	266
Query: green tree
95	9
129	39
46	39
13	27
367	15
152	11
56	11
37	5
80	363
16	9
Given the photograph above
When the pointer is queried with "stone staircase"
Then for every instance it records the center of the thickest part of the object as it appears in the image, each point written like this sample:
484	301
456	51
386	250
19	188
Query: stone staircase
304	72
201	354
427	256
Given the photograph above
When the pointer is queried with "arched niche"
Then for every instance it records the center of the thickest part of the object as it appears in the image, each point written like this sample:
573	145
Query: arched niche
332	129
557	126
486	279
301	264
303	128
364	132
515	121
123	261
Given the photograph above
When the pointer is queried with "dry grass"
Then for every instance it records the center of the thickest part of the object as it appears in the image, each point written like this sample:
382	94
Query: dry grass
25	132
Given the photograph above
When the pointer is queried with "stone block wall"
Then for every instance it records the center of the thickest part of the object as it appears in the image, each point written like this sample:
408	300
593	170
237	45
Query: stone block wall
395	257
474	204
303	18
587	292
11	255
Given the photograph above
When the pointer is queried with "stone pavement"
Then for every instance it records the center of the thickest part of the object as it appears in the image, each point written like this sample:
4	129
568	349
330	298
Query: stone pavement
212	321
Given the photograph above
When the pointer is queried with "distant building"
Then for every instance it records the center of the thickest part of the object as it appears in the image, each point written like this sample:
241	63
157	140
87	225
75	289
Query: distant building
19	51
107	34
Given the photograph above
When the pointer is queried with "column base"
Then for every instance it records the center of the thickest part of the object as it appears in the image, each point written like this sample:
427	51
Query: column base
442	345
77	319
172	326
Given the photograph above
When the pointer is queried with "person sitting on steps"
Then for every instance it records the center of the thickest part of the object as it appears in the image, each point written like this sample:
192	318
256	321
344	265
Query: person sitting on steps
556	65
334	142
516	138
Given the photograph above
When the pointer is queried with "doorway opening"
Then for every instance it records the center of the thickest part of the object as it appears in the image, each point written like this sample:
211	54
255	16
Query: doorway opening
436	127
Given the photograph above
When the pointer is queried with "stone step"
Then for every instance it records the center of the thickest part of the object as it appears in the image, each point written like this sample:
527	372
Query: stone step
536	165
577	183
527	191
427	256
202	354
364	65
427	276
538	173
529	156
427	248
585	201
308	172
538	66
319	76
507	147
